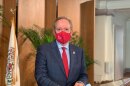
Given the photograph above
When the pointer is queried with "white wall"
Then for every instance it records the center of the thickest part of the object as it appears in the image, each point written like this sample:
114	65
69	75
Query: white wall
104	49
99	50
120	25
119	52
127	45
122	34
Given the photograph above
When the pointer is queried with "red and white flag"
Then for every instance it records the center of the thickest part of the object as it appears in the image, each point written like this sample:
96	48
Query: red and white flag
12	77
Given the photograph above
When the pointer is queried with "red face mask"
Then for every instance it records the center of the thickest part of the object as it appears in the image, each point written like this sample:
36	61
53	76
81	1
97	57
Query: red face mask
63	37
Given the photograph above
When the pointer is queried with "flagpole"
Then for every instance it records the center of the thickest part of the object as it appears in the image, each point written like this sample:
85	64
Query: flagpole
12	69
15	15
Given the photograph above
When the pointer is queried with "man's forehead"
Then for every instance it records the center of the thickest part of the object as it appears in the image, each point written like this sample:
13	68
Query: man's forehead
63	22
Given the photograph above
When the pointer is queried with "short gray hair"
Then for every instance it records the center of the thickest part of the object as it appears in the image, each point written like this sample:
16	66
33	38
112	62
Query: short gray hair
63	17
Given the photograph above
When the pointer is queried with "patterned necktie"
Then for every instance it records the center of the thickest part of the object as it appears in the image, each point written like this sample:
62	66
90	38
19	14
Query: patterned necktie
65	61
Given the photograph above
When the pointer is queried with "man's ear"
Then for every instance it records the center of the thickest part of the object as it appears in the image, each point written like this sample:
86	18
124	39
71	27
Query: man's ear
71	33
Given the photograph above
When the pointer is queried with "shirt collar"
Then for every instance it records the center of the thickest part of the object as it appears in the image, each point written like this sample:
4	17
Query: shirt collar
60	46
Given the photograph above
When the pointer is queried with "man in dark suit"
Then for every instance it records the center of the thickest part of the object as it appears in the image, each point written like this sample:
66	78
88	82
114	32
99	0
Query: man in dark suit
60	63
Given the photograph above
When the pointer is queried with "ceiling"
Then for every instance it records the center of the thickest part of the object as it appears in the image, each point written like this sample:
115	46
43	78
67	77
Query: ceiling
113	7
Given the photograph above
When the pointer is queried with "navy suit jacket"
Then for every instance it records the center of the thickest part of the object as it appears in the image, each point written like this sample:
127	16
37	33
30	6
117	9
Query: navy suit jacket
49	70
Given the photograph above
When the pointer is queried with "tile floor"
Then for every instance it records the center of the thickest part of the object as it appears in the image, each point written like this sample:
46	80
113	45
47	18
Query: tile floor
123	82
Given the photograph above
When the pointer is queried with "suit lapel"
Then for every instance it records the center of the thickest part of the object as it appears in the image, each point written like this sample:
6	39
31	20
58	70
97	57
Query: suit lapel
72	60
57	55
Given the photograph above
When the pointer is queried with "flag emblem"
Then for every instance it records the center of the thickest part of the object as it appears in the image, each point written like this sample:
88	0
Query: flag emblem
12	69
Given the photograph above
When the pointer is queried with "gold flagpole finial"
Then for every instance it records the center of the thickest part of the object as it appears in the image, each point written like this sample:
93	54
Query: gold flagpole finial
12	11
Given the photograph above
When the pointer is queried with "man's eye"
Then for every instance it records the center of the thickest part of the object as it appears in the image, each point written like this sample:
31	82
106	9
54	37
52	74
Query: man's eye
58	29
66	29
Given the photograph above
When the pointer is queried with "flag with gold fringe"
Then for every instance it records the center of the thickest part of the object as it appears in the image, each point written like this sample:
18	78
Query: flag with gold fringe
12	77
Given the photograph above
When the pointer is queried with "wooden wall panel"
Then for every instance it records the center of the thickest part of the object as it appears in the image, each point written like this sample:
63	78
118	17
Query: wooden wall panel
31	12
87	33
70	9
41	13
50	12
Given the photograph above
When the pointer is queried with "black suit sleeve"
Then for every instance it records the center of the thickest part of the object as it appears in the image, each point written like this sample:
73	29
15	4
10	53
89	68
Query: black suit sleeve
41	70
